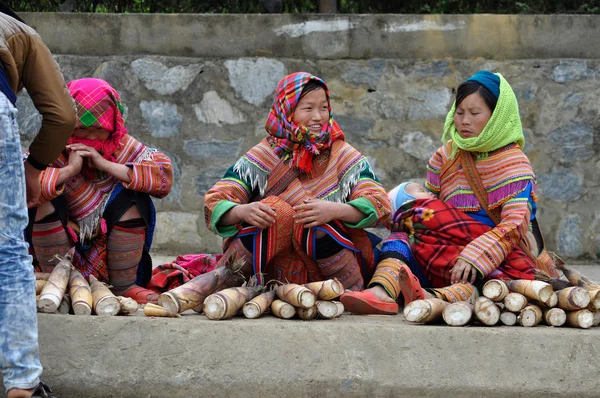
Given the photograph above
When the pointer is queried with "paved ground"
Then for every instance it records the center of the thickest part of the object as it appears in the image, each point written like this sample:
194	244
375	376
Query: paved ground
352	356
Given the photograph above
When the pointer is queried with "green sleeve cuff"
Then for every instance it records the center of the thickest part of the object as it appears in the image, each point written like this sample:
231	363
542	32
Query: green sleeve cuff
367	208
225	231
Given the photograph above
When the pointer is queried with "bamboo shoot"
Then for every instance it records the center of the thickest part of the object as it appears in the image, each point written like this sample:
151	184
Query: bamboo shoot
56	286
486	311
515	302
226	303
105	303
530	316
307	314
191	295
495	290
340	308
296	295
508	318
81	294
580	319
326	290
283	310
575	277
65	305
458	313
554	316
158	311
573	298
258	305
39	285
425	311
41	276
128	306
536	290
327	309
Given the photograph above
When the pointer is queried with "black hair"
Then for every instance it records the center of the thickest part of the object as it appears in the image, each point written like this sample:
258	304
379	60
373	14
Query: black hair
5	9
471	87
311	86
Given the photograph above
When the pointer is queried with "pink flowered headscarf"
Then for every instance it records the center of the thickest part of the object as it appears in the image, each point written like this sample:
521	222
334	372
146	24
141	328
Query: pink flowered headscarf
98	105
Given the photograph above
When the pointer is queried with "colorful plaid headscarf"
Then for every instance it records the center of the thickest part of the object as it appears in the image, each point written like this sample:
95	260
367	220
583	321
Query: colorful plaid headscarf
293	141
98	105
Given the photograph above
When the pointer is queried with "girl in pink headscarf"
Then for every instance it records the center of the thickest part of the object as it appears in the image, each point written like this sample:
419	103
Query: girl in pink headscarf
96	196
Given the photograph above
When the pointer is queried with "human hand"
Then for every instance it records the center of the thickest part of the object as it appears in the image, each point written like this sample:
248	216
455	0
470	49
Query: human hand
315	212
33	184
93	158
463	272
75	163
398	226
256	214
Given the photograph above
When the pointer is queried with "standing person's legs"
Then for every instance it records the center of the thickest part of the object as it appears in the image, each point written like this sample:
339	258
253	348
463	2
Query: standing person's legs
19	354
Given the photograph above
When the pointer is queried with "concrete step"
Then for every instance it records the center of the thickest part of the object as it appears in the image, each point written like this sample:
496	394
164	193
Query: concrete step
352	356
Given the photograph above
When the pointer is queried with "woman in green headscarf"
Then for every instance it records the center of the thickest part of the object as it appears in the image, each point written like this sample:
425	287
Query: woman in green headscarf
480	170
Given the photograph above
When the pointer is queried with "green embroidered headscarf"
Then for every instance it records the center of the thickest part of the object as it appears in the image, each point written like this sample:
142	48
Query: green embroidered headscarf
503	128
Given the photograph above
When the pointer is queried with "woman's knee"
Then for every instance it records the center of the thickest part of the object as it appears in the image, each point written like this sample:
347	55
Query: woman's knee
44	210
131	213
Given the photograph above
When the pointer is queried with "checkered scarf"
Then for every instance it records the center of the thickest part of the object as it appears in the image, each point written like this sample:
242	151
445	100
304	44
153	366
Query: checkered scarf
293	141
98	105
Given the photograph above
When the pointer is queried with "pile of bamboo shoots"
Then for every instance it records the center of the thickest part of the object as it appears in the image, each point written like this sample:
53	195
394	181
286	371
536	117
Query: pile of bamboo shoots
553	302
310	301
65	291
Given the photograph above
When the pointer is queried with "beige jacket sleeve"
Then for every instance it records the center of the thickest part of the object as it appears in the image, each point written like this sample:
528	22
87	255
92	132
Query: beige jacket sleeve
44	82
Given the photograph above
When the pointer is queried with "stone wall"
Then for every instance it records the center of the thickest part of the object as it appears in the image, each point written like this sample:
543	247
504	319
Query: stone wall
205	112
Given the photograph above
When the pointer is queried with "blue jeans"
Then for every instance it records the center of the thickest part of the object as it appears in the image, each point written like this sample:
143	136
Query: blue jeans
19	353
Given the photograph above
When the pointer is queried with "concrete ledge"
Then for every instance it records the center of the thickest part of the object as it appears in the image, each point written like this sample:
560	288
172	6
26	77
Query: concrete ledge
351	356
322	37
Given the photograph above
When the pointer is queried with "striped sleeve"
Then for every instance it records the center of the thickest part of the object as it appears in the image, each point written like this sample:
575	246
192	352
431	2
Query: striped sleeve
48	180
434	168
153	176
489	250
369	197
228	192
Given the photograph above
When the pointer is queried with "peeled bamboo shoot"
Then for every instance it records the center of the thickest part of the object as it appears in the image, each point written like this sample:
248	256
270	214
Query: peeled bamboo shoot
105	303
128	306
281	309
226	303
508	318
56	286
258	305
554	316
580	319
458	314
326	290
425	311
573	298
327	309
536	290
306	314
296	295
515	302
81	294
495	290
191	295
158	311
530	316
486	311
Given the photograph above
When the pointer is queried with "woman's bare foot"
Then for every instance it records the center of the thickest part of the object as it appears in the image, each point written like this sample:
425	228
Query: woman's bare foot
381	294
